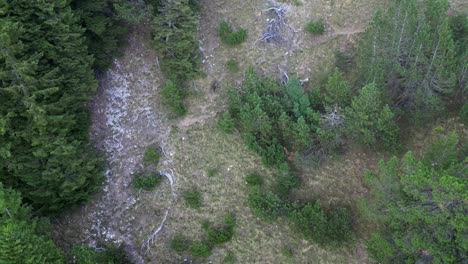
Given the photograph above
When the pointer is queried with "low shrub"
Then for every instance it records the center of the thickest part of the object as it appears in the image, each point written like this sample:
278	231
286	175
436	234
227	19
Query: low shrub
152	156
180	244
192	199
222	234
253	180
232	65
285	181
146	182
323	227
200	249
226	123
229	36
316	27
172	98
266	205
110	254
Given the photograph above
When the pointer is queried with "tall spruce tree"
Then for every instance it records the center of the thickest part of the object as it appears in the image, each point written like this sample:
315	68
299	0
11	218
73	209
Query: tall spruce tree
20	241
45	81
409	50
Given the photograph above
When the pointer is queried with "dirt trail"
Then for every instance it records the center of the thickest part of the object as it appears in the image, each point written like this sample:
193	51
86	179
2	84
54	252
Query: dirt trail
125	120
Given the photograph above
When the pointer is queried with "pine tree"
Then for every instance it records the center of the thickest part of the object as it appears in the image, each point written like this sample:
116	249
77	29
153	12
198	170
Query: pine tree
409	50
420	208
175	37
369	121
46	79
104	30
337	90
20	241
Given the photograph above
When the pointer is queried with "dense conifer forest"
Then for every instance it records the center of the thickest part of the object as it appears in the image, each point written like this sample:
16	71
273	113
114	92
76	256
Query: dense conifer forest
397	93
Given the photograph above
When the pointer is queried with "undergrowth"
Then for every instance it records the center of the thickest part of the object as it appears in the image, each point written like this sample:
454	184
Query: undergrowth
229	36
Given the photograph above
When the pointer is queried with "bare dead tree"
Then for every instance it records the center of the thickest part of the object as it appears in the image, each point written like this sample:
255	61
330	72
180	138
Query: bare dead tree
278	31
284	78
333	117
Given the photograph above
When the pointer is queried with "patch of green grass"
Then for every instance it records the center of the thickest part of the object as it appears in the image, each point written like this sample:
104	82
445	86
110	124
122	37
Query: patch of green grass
232	65
172	97
146	182
230	258
192	199
212	172
152	156
316	27
220	235
253	180
180	244
229	36
200	249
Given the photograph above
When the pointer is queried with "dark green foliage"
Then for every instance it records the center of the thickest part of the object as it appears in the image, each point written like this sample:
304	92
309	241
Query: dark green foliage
266	205
337	90
285	181
223	234
175	38
420	209
315	27
229	36
146	182
464	114
226	123
201	249
369	121
232	65
133	12
443	152
45	80
152	155
20	240
272	116
172	98
192	199
409	51
110	254
253	180
104	30
321	226
180	244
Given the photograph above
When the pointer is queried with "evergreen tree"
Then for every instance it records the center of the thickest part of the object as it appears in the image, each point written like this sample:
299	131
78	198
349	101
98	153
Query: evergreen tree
175	37
370	121
410	51
337	90
20	241
421	209
104	29
46	79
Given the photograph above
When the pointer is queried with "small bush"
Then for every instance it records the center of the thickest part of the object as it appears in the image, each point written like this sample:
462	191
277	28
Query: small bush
268	206
180	244
230	37
464	114
152	156
323	227
285	181
226	123
232	65
200	249
172	98
192	199
222	234
111	254
146	182
316	27
253	180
